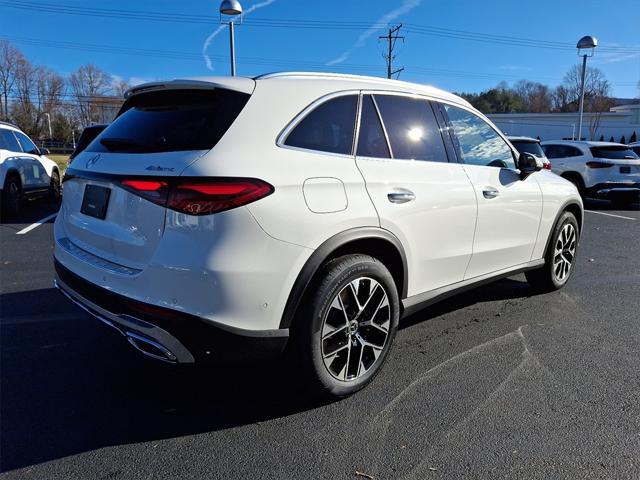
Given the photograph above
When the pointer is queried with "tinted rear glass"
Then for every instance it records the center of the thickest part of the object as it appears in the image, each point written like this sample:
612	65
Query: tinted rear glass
171	120
614	153
529	147
328	128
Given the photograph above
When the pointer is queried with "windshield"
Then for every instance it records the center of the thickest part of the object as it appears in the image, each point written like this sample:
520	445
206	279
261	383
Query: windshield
171	120
614	153
528	147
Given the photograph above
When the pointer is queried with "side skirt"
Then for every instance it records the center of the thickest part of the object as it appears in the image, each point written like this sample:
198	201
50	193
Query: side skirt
415	303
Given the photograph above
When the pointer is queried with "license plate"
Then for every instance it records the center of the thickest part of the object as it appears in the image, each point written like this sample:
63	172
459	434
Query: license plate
625	169
95	201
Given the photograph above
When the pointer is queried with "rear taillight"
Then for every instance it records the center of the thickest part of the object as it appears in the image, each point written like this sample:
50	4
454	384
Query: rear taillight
599	165
546	165
199	196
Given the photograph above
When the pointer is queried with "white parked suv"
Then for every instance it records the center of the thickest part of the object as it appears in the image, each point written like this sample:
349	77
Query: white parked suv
303	214
25	171
598	169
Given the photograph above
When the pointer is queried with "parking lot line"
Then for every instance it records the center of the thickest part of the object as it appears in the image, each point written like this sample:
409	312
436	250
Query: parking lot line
37	224
610	215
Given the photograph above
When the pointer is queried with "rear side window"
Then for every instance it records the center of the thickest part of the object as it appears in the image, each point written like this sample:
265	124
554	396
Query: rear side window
478	143
412	128
533	148
614	153
328	128
8	141
561	151
371	139
171	120
27	145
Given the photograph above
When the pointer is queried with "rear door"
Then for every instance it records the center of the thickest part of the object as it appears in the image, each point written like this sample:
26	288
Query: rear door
509	209
421	197
35	176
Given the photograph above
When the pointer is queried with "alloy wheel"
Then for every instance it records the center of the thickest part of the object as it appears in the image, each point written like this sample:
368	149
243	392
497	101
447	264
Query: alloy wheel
564	253
355	329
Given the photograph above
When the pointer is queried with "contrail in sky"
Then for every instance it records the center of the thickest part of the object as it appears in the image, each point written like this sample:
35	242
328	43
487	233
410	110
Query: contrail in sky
213	35
407	5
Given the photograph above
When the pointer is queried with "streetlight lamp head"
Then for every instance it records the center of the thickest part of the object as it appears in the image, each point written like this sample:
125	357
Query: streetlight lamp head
587	41
230	7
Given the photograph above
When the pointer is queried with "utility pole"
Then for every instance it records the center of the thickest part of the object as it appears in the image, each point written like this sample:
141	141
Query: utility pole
392	37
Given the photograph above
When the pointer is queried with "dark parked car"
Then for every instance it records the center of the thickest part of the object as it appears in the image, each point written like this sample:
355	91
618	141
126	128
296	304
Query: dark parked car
86	137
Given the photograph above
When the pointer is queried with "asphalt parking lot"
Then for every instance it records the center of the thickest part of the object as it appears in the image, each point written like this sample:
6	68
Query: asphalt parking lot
493	383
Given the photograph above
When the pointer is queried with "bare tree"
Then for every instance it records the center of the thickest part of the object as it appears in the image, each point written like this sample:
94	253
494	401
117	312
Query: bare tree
536	96
119	87
88	84
9	59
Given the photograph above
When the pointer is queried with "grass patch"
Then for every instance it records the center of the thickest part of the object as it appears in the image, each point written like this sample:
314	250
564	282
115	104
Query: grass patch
61	160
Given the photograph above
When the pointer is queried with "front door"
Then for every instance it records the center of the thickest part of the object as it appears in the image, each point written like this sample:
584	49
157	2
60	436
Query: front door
422	198
509	209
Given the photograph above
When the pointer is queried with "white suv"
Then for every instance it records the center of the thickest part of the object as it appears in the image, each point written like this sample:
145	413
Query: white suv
25	171
598	169
302	214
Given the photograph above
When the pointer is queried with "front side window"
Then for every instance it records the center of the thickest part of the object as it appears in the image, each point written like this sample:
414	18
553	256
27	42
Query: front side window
477	142
371	139
328	128
27	145
8	141
411	126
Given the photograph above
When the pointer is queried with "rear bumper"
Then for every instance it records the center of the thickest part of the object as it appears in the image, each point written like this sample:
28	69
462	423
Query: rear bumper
610	189
166	334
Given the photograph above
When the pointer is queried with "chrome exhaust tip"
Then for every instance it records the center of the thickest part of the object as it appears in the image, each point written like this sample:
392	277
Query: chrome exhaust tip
150	348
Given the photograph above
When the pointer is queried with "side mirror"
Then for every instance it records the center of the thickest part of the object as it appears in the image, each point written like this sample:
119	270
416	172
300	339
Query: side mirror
44	151
527	164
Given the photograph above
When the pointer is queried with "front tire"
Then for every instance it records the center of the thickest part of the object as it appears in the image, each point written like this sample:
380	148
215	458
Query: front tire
560	257
54	187
346	326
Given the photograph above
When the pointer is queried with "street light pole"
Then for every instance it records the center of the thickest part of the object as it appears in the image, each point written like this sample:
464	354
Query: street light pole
231	8
585	43
233	49
583	78
49	121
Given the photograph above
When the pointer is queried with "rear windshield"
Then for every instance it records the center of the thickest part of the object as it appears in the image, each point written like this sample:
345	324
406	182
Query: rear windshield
171	120
614	153
533	148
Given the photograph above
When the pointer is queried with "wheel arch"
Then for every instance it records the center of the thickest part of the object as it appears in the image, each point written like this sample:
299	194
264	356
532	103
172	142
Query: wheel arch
377	242
572	207
12	172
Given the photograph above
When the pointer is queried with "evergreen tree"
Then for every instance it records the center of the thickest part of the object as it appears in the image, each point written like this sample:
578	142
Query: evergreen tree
611	139
623	140
633	137
602	138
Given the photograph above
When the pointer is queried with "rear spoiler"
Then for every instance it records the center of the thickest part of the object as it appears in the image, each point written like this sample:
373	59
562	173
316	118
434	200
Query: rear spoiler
237	84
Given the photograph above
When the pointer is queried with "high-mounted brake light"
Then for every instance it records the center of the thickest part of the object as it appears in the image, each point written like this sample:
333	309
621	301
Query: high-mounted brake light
199	196
599	165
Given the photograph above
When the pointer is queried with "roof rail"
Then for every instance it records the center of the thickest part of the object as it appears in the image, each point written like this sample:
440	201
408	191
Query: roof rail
2	122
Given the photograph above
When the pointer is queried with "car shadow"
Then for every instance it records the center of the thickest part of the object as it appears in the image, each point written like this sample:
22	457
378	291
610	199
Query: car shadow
71	385
599	204
31	211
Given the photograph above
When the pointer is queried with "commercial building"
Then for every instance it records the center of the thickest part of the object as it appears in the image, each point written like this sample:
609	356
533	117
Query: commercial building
618	122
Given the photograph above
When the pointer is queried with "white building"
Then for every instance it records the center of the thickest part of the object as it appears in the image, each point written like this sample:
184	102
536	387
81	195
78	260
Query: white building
618	122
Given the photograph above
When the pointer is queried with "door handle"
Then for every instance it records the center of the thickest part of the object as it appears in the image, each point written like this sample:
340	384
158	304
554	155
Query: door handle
401	195
490	192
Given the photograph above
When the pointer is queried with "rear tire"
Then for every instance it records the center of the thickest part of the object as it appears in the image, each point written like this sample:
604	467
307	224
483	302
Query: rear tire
560	257
11	197
346	326
54	187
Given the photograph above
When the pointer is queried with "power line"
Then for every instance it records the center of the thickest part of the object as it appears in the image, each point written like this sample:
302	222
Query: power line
264	61
294	23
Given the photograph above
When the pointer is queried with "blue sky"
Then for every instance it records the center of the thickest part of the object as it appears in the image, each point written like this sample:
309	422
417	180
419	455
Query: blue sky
432	53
